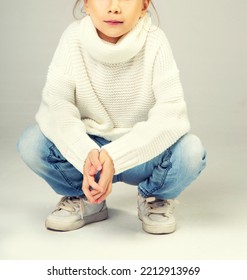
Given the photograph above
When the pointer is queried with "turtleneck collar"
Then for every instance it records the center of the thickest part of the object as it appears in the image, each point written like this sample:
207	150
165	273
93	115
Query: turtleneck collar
125	49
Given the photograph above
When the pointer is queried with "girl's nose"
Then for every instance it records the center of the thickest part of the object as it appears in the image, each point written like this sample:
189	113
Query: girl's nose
114	7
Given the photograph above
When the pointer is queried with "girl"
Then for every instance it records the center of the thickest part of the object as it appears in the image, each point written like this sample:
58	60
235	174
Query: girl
113	110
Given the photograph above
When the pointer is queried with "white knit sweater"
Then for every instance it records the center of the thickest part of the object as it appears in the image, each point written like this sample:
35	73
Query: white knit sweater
129	93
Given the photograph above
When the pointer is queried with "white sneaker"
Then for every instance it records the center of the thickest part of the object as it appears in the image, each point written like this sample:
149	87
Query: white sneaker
75	212
156	214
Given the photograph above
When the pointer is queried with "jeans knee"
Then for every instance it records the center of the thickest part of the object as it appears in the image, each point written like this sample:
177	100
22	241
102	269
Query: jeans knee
193	152
29	146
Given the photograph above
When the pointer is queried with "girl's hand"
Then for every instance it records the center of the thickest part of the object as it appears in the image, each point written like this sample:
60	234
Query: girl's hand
97	162
106	175
91	167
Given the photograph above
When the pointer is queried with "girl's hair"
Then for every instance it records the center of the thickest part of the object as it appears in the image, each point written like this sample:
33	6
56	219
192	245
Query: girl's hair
76	7
79	6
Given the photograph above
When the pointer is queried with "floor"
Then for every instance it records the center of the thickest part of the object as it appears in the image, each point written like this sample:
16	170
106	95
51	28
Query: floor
211	216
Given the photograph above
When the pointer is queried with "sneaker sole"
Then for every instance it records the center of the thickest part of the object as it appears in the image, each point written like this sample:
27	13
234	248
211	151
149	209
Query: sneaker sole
57	226
158	229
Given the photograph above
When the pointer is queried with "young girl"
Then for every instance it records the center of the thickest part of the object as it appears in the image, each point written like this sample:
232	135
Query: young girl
113	110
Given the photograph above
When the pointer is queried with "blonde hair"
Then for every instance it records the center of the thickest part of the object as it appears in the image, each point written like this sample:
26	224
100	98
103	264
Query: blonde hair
79	6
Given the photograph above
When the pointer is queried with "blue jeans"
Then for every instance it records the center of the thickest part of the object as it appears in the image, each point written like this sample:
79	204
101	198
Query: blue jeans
164	176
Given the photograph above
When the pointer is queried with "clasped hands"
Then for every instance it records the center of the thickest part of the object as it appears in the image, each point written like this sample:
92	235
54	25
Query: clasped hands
97	161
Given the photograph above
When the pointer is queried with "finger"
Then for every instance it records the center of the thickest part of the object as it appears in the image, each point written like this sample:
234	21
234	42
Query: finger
106	178
86	191
89	197
95	192
96	196
93	184
104	196
90	178
105	182
92	170
94	159
87	166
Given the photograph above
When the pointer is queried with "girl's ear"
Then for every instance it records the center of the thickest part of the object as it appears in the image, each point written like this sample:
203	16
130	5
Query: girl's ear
85	6
145	6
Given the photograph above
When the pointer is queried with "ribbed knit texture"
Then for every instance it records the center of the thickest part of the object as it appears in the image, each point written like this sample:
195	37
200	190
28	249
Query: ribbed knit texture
129	93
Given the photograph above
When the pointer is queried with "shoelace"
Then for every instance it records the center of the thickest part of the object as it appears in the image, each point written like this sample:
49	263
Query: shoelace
160	206
70	204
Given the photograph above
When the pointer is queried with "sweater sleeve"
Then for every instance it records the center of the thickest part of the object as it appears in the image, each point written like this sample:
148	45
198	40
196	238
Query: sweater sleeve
58	117
166	122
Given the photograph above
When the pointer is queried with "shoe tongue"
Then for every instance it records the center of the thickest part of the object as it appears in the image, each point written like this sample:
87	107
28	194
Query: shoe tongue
74	199
67	208
157	204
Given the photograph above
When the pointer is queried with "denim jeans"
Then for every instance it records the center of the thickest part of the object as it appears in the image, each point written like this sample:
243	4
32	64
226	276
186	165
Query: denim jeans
165	176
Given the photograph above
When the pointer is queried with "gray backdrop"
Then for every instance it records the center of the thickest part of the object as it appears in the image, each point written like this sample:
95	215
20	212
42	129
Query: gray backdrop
209	42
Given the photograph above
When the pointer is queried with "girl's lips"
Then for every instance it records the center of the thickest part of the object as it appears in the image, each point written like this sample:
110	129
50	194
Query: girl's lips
113	22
